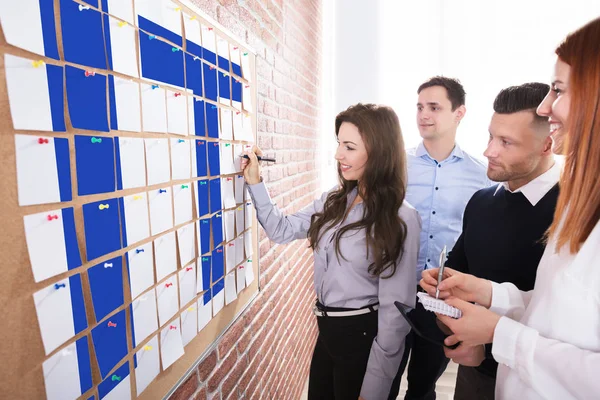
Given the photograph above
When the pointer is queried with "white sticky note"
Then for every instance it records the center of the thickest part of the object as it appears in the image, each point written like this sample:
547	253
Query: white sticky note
27	90
248	244
120	392
22	25
192	29
190	117
230	253
208	39
240	279
187	284
157	161
248	215
229	222
248	130
246	97
189	324
198	236
61	374
196	197
154	108
177	113
127	104
226	159
164	254
148	365
162	12
239	250
246	67
238	127
230	290
121	9
227	196
45	237
194	162
171	343
218	302
223	48
239	219
37	171
141	269
55	314
161	210
226	124
239	189
144	316
123	48
249	271
234	54
136	217
166	297
183	203
204	313
187	248
238	150
180	159
133	162
199	278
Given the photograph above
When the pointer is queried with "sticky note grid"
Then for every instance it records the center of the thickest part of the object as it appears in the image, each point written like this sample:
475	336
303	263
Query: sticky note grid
438	306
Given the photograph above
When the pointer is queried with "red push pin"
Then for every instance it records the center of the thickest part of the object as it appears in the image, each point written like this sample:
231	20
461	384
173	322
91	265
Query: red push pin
172	327
89	73
238	112
210	29
51	217
168	284
189	268
235	48
231	244
200	143
42	140
219	250
111	324
228	179
246	86
177	94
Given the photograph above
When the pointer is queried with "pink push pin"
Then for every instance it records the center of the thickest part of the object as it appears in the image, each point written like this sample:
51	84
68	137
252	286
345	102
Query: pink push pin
89	73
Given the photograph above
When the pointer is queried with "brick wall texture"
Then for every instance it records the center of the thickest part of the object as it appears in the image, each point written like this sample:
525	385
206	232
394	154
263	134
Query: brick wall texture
266	352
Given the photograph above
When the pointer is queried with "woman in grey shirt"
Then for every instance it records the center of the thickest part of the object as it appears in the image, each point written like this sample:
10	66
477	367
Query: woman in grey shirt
365	239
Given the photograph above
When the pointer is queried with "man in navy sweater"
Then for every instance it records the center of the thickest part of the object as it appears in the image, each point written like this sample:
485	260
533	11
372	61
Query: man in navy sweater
504	225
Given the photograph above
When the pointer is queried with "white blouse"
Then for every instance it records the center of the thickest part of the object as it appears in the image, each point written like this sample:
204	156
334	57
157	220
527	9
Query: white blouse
548	341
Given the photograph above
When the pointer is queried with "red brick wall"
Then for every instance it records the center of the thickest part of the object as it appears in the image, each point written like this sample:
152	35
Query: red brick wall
266	353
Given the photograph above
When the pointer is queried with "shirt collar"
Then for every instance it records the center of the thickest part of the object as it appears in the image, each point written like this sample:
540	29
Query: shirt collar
456	152
536	189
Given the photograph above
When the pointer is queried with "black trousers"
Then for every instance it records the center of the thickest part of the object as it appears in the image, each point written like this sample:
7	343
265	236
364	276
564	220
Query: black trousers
473	385
427	361
340	357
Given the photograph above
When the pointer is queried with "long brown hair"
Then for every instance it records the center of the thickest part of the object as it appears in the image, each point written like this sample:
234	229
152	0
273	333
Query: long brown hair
578	206
382	189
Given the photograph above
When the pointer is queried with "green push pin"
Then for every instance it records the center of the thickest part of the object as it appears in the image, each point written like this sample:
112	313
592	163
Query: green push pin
227	144
96	140
245	54
184	186
204	259
115	378
203	182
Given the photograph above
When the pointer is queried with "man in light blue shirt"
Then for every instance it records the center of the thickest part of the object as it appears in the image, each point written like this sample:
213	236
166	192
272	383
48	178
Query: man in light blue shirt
441	180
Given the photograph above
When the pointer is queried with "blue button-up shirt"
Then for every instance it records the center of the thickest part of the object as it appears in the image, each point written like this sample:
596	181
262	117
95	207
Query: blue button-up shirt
440	192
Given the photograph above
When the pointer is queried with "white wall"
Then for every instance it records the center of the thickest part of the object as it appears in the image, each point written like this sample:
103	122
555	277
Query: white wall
384	49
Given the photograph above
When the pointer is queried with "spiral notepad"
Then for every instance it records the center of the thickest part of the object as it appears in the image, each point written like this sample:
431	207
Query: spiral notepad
438	306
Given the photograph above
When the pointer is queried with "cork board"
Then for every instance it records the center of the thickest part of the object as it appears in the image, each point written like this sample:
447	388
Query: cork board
22	351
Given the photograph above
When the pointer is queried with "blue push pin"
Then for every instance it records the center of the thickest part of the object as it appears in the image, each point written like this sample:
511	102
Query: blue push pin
138	251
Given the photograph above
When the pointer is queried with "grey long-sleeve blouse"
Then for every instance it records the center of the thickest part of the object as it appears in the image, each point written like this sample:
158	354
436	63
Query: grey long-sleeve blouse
345	281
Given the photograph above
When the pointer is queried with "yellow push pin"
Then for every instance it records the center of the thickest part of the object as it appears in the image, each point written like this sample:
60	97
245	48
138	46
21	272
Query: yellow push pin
147	348
122	24
191	309
37	64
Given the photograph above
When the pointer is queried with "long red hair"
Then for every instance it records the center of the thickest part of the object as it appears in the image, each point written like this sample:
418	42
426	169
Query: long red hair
578	207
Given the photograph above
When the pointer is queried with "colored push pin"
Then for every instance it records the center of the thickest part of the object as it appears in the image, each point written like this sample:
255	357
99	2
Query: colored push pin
204	258
51	217
246	86
172	327
115	378
59	285
215	144
162	190
177	94
229	179
168	284
231	244
189	268
214	107
180	141
96	140
209	28
82	7
174	49
151	37
137	197
154	87
138	251
103	206
89	73
227	144
108	265
225	74
219	250
203	183
177	8
238	112
184	186
193	17
122	24
249	260
111	324
37	64
245	54
235	48
241	267
190	309
200	143
42	140
147	348
211	67
196	58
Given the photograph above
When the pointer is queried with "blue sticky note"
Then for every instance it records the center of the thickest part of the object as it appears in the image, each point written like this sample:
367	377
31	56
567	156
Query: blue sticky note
86	98
236	90
77	303
223	63
214	159
159	61
224	85
212	121
48	29
73	254
236	69
193	73
106	285
63	168
95	164
110	342
210	82
209	56
201	160
203	198
102	229
218	265
215	195
113	380
206	267
207	297
218	286
158	30
204	236
217	229
193	48
82	36
56	94
199	118
83	361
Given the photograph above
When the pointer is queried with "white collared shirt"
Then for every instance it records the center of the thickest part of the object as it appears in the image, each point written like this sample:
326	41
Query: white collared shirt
536	189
